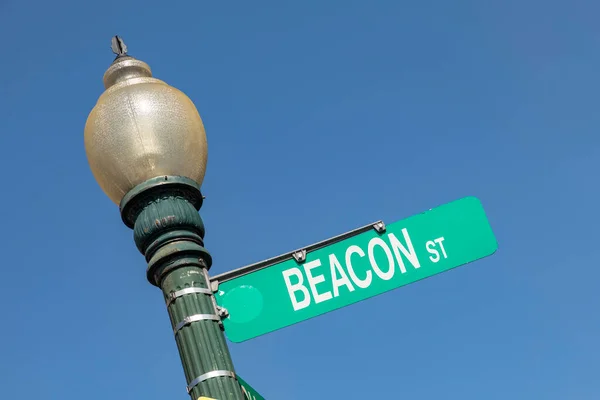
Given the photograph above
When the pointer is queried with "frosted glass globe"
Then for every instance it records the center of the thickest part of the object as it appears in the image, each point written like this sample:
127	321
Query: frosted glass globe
142	128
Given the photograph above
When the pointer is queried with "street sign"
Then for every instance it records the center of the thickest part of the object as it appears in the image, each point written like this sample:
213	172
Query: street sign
303	284
248	392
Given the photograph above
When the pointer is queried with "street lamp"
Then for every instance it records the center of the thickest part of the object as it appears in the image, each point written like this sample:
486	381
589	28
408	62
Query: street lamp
146	146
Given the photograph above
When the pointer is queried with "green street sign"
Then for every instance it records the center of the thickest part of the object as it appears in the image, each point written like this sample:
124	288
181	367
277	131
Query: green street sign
355	266
248	392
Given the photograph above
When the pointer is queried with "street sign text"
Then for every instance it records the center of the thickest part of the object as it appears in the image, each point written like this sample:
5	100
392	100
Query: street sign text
355	268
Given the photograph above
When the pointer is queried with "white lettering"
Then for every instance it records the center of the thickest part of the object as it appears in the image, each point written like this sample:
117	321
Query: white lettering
369	276
334	265
293	288
439	241
390	272
247	395
410	254
430	245
314	280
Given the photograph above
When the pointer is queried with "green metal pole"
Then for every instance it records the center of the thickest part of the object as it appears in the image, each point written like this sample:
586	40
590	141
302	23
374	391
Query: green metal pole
168	230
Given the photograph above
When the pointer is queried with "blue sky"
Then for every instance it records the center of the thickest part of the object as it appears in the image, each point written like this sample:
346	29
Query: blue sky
321	117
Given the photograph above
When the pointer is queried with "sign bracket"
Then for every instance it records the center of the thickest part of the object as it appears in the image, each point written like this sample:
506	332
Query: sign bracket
298	255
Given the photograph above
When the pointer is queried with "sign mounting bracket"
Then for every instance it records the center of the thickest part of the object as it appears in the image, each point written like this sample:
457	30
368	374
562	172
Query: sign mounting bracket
298	255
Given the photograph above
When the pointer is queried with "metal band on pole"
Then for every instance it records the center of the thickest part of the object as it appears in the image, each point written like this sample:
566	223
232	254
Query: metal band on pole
208	375
185	291
195	318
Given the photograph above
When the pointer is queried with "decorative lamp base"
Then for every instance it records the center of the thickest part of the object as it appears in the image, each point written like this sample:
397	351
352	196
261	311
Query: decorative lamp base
168	231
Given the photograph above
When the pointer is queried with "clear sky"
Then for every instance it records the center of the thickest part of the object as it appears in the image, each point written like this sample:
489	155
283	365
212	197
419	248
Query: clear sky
321	117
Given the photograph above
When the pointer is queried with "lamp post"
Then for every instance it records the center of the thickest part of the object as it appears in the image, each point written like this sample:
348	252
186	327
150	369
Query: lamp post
146	146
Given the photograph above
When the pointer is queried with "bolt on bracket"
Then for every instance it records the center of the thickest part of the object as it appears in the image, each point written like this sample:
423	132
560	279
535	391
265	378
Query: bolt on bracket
299	256
379	226
214	286
222	312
